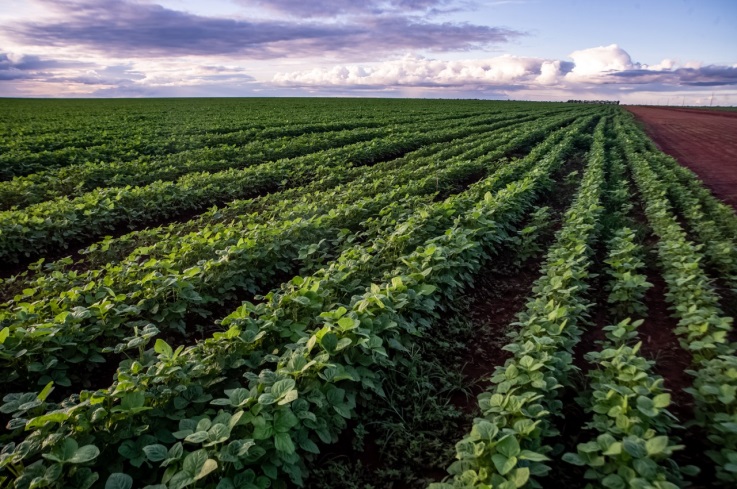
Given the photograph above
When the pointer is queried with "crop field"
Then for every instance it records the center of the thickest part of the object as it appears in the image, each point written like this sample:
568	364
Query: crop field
359	293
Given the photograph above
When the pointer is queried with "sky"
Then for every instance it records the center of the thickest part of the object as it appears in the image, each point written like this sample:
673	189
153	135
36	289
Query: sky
676	52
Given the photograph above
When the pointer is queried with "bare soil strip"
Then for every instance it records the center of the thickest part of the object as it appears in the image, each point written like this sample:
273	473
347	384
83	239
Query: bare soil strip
704	141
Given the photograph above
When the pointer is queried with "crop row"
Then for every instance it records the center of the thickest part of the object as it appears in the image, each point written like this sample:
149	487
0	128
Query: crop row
60	223
508	445
76	180
165	283
702	326
113	301
307	351
136	140
157	132
631	438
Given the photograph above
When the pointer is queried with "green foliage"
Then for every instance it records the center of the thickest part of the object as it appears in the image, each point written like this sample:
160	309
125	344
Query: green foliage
507	447
702	326
248	337
250	402
528	241
627	286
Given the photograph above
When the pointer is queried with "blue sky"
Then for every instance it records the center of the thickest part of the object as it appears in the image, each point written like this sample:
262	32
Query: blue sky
647	51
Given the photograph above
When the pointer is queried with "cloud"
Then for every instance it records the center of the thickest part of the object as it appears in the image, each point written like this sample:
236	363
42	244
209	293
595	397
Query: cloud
600	60
335	8
141	30
419	71
127	78
15	66
707	76
603	66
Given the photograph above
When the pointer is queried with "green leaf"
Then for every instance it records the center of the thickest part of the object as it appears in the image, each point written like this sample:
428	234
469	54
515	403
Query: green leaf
284	420
574	458
85	454
197	437
503	464
613	449
281	387
155	453
289	397
4	333
38	422
508	446
207	467
194	462
646	406
118	480
133	400
64	452
646	467
427	289
176	451
329	342
162	348
346	323
266	399
521	476
656	445
180	480
532	456
613	481
238	397
661	401
309	446
283	443
634	447
46	391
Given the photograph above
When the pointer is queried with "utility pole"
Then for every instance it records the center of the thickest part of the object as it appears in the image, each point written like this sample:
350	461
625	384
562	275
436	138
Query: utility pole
711	100
684	101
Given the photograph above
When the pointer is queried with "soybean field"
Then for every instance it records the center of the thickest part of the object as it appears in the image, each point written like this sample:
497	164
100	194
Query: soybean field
359	293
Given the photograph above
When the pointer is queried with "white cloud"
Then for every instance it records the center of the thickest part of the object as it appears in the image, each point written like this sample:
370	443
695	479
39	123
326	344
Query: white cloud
600	60
666	64
604	69
419	71
550	73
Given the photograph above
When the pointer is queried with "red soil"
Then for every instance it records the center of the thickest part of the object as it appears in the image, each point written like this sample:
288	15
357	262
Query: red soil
702	140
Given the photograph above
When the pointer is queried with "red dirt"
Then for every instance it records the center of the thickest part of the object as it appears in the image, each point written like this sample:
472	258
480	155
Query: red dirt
497	298
702	140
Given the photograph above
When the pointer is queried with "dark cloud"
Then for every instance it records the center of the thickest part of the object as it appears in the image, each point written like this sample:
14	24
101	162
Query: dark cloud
311	9
706	76
21	67
334	8
30	67
133	30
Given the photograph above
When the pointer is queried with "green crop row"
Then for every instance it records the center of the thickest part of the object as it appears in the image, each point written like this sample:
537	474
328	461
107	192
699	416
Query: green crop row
60	223
702	326
720	249
508	445
211	267
629	444
305	354
92	139
75	180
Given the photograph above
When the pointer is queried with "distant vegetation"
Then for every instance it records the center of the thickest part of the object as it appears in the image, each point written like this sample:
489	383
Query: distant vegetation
604	102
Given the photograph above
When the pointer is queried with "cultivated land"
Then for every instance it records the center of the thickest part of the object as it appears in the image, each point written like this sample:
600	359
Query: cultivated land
703	140
252	293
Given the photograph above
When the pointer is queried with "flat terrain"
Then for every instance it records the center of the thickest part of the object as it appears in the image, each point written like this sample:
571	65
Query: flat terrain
703	140
332	294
